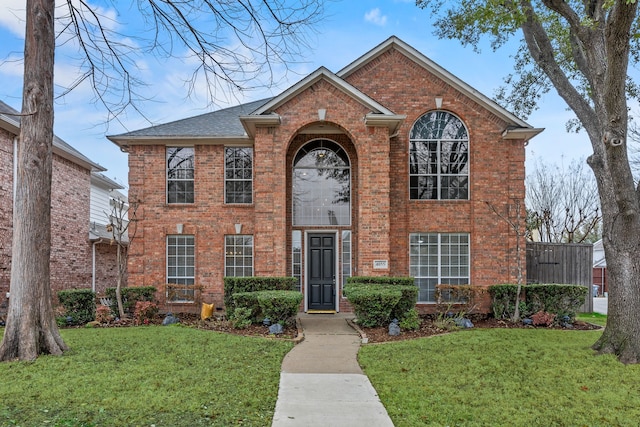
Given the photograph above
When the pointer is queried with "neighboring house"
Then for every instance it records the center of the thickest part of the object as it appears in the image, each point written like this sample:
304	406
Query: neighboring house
104	195
599	269
71	251
392	166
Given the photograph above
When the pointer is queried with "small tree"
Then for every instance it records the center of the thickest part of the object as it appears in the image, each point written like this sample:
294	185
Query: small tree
518	227
122	225
563	204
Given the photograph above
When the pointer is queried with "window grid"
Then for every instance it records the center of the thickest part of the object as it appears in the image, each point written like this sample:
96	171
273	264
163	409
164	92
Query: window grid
439	158
180	174
296	257
181	262
238	175
238	256
436	258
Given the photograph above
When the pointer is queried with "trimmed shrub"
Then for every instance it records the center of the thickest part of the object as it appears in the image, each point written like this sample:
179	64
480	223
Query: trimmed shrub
79	305
247	301
406	285
559	299
373	304
130	296
233	285
279	306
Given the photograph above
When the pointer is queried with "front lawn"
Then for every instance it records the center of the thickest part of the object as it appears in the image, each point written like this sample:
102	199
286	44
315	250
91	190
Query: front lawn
162	376
503	377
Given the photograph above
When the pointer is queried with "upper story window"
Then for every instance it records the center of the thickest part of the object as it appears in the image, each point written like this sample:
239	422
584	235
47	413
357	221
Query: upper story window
180	174
321	185
238	175
439	158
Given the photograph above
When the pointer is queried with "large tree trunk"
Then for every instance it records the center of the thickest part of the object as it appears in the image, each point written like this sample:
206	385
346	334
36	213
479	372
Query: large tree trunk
31	327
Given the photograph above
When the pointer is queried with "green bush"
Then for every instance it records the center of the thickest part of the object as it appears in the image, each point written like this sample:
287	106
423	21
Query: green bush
79	305
233	285
373	304
279	306
248	301
130	296
503	300
241	318
411	320
557	299
406	285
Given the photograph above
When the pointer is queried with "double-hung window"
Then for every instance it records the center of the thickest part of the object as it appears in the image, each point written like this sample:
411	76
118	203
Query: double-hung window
238	175
438	258
438	158
181	267
180	174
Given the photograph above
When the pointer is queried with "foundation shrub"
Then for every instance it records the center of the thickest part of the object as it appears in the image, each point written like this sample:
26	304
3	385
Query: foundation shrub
373	304
279	306
543	318
130	296
103	314
145	312
248	302
461	298
241	318
559	299
406	285
411	320
79	305
233	285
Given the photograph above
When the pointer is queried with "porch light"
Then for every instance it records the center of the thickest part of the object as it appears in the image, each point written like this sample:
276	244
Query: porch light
438	102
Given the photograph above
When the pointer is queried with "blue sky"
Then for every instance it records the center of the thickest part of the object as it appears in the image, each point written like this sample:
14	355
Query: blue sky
349	29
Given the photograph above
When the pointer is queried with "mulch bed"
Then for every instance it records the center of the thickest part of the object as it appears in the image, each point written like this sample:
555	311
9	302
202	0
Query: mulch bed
373	335
428	328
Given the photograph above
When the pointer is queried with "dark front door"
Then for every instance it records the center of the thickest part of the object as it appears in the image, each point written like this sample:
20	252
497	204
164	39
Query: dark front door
321	272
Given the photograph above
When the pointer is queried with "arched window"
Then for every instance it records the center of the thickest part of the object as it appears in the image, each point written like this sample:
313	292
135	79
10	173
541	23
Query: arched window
321	185
438	158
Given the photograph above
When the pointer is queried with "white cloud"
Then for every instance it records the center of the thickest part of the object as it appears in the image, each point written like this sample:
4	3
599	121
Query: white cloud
374	16
12	16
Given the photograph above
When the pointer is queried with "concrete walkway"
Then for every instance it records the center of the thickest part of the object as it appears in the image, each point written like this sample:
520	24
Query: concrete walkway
321	383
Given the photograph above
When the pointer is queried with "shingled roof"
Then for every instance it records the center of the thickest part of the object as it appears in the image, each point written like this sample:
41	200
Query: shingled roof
10	120
220	123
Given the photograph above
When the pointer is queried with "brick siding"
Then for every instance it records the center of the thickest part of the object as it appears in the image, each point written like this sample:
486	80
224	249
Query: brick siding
382	214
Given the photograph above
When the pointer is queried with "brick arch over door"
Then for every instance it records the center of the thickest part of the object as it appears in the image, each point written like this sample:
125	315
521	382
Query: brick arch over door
347	145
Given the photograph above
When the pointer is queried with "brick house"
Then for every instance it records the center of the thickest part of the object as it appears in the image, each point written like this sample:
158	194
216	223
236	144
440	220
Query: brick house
73	260
391	166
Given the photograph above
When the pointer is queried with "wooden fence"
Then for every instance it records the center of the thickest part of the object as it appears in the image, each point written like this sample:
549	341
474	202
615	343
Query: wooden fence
562	263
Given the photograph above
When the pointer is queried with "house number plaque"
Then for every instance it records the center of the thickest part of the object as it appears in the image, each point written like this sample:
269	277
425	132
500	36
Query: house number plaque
380	264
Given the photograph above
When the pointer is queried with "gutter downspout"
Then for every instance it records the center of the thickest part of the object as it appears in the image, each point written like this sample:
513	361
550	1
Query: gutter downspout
15	170
93	266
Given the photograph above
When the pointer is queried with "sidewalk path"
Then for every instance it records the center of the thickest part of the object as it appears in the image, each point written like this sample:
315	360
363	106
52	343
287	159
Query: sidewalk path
321	383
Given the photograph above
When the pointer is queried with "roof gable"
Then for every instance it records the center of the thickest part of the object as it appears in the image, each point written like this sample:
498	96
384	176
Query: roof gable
379	115
394	42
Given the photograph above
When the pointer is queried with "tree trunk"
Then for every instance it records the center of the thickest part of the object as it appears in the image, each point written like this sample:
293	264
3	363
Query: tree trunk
31	328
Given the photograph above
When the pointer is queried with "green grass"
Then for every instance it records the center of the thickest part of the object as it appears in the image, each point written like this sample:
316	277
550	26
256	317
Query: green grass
595	318
162	376
503	377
